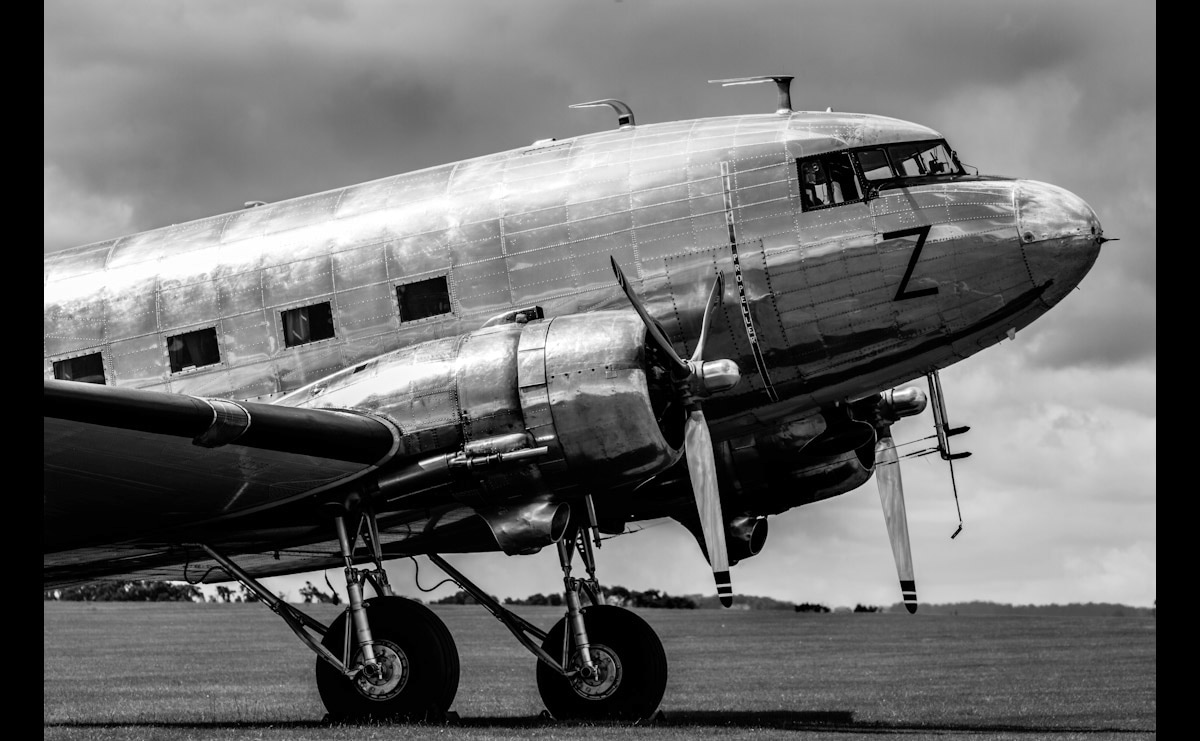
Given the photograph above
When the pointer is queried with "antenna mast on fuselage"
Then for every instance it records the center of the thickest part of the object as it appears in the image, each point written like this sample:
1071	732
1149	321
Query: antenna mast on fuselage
782	82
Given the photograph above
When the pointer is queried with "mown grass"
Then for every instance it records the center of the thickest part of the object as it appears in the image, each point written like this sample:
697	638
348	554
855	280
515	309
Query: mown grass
233	671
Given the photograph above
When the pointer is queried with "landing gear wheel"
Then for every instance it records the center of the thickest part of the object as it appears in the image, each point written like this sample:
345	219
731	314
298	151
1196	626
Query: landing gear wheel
418	674
632	668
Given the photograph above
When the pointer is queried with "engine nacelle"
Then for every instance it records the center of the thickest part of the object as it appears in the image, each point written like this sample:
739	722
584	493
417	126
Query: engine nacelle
583	386
811	458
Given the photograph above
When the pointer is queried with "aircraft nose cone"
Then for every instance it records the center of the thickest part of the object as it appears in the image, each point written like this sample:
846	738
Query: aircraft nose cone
1060	234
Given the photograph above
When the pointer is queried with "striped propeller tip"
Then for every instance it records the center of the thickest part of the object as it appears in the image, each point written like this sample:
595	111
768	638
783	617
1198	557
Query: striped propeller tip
908	589
724	587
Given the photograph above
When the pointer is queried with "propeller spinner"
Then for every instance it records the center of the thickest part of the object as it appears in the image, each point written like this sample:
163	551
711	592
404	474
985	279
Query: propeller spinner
716	375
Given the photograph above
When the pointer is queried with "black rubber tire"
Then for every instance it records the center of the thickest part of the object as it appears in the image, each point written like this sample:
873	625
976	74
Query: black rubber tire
411	629
643	668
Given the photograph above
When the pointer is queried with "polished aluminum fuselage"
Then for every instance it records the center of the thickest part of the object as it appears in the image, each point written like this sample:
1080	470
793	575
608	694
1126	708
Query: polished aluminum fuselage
820	305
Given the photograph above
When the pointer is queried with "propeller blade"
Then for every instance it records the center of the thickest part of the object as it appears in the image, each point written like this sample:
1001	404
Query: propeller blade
891	496
682	369
714	300
702	470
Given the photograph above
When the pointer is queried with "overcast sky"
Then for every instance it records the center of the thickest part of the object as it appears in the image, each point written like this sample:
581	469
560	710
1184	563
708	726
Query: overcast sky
157	112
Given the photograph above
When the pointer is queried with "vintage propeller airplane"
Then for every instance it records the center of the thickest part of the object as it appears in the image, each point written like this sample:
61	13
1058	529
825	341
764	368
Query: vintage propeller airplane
703	320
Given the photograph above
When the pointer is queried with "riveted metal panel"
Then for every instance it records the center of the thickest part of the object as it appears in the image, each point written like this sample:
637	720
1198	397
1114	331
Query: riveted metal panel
479	177
532	163
535	399
130	308
369	310
423	253
667	190
249	337
240	292
539	281
471	242
74	324
360	266
297	213
252	381
482	285
599	398
364	198
181	305
302	365
487	382
137	361
296	282
63	266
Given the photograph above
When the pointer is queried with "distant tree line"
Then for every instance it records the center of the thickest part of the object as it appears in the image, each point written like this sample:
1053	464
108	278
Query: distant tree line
811	607
1073	609
614	595
126	591
460	598
153	591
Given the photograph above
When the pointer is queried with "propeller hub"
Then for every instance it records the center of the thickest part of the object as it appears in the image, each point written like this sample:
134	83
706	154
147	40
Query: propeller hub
717	375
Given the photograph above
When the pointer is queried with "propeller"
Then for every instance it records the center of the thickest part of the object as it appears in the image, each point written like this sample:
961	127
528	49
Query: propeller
891	496
715	375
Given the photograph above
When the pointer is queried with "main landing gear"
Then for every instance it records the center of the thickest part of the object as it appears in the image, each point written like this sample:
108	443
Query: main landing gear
598	661
390	658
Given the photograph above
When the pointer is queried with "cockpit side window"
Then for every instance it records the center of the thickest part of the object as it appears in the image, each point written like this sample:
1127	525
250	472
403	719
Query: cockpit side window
827	180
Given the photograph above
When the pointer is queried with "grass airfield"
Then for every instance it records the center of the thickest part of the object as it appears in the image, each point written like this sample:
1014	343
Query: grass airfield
235	671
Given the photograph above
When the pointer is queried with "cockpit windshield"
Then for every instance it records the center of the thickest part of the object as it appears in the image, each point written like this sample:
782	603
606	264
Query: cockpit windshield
908	160
835	178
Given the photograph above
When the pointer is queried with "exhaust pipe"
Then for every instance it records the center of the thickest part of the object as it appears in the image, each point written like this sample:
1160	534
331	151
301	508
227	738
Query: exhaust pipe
746	536
526	527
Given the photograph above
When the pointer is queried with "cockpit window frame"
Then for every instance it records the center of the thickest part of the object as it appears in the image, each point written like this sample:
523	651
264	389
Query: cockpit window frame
874	186
868	188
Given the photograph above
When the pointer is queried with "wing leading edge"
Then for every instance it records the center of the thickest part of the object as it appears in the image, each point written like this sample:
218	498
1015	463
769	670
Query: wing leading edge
125	466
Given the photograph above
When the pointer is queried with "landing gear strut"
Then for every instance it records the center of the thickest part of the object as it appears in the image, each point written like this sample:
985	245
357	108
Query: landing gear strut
616	666
599	661
407	664
382	658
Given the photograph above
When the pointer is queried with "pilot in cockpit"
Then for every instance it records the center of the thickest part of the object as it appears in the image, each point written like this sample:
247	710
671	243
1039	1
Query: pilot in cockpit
815	188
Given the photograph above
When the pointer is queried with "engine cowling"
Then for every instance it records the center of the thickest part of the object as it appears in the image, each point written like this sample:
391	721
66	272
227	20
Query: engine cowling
585	387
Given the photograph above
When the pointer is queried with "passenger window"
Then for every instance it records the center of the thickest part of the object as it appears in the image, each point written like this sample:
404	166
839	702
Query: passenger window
828	180
193	349
423	299
85	369
307	324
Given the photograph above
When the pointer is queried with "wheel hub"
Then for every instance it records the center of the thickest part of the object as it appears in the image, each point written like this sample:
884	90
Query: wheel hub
389	676
602	682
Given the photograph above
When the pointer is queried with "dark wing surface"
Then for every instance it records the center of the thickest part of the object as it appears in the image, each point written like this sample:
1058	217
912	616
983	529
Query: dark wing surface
129	475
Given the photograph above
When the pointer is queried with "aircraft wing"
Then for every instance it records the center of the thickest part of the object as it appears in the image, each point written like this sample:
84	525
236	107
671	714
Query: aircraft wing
125	471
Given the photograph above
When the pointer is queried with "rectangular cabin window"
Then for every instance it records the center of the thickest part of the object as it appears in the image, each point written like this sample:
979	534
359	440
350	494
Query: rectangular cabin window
307	324
85	369
827	180
193	349
424	298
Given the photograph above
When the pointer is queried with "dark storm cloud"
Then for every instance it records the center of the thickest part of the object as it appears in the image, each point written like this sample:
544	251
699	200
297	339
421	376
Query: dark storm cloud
185	109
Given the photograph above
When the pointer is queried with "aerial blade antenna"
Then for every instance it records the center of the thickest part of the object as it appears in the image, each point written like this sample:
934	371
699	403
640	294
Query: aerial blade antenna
783	83
891	496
